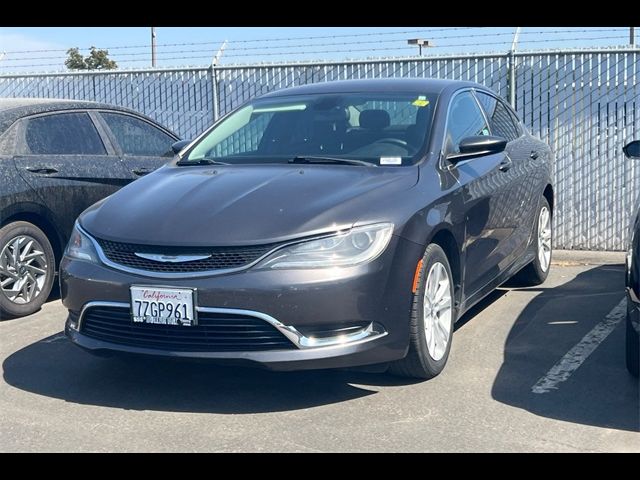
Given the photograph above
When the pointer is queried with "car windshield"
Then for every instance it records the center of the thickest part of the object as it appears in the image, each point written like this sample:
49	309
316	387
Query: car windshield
346	128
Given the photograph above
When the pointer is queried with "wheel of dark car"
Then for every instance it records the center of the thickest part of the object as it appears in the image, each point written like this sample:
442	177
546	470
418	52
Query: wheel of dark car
537	271
432	319
27	269
633	349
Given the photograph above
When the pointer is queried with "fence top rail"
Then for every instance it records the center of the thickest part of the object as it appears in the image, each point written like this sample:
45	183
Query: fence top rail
321	63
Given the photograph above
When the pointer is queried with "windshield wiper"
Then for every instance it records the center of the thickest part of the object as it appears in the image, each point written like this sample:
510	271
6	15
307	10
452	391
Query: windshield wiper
345	161
201	161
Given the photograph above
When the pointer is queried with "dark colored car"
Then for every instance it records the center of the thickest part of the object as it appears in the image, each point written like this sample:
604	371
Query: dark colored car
329	225
57	157
632	150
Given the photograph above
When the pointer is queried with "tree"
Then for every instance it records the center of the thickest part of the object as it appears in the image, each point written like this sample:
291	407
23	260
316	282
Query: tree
96	60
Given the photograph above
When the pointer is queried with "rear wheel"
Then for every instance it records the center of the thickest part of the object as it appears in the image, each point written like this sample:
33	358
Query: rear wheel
633	349
27	269
537	271
432	319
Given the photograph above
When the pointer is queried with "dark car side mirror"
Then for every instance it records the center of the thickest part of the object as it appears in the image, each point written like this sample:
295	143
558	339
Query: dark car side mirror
632	149
478	145
179	145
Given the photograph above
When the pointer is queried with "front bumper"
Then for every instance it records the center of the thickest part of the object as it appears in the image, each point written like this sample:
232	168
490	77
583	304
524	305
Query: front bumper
376	295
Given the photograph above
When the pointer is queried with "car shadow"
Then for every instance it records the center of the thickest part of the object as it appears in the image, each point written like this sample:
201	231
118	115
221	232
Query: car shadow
486	302
600	392
55	368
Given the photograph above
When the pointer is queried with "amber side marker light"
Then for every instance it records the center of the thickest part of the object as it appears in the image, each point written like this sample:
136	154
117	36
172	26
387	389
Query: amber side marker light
416	276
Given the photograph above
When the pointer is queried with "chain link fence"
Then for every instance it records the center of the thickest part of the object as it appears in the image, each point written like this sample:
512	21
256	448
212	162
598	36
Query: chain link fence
583	103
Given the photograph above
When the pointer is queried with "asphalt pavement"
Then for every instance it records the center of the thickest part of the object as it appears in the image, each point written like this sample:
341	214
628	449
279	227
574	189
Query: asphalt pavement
531	369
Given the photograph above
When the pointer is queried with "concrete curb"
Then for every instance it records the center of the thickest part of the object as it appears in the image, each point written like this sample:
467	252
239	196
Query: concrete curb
586	257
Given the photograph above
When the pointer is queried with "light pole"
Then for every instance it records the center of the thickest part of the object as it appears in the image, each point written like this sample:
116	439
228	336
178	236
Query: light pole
632	36
153	46
420	42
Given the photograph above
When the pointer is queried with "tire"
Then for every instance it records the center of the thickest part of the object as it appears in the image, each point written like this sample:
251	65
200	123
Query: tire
421	360
633	349
40	258
535	272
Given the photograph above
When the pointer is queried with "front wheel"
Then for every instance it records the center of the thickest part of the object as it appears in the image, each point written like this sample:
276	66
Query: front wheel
432	319
537	271
27	269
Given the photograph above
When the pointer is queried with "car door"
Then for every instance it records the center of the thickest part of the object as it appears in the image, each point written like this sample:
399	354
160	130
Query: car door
68	163
142	145
521	194
483	184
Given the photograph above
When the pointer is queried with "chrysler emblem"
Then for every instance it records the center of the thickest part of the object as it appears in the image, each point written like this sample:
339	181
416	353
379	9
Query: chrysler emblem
171	258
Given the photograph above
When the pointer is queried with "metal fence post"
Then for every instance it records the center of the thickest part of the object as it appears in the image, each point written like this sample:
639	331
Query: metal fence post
511	81
214	91
512	68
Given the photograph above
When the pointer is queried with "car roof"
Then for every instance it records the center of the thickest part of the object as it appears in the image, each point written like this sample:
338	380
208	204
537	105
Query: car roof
402	85
12	109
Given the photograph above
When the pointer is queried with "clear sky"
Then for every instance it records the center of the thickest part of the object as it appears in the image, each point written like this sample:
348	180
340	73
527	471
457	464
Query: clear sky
43	49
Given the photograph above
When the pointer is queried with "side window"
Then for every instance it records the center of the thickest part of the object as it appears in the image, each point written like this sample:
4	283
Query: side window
500	117
465	120
62	134
137	137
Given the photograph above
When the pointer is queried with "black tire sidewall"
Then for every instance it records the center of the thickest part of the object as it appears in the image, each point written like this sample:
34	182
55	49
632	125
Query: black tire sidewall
10	231
632	351
433	254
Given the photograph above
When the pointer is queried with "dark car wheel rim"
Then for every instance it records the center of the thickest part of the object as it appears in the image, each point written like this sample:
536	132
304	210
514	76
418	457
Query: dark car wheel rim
437	310
544	239
23	269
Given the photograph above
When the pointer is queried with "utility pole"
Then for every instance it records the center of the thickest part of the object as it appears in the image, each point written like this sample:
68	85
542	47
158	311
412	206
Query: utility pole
153	47
632	36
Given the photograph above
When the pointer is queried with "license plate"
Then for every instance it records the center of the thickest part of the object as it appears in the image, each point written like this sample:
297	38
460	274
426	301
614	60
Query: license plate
162	306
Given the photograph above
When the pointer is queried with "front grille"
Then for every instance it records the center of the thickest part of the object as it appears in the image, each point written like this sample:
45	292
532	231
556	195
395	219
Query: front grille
220	257
215	332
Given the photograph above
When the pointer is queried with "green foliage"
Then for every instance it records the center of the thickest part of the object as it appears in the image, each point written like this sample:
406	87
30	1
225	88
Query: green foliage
96	60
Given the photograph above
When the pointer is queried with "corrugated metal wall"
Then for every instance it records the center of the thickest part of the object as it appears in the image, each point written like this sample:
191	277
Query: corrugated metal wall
582	102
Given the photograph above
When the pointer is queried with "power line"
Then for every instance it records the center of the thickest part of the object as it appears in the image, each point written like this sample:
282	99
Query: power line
116	47
306	52
352	35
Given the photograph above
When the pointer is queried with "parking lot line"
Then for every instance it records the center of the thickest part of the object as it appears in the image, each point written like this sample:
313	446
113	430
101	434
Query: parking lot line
572	360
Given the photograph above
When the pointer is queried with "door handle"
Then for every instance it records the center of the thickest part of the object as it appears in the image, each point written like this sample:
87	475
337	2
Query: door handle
505	164
142	171
43	170
534	155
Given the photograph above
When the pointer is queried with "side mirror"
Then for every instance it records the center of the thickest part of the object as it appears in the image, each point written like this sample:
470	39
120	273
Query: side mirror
632	149
478	145
179	145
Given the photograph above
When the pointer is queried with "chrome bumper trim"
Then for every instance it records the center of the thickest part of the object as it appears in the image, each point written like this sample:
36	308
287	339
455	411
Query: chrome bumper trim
363	335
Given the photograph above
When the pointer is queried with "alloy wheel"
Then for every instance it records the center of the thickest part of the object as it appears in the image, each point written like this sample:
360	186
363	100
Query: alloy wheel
544	239
23	269
437	310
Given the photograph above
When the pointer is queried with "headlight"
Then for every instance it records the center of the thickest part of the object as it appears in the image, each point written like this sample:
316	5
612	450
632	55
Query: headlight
358	245
80	246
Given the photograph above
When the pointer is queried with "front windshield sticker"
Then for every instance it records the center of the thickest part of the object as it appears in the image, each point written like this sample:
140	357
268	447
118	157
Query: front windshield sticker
390	160
421	101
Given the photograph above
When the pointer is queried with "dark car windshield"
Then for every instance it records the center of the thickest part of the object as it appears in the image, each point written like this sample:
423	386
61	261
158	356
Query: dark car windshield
379	128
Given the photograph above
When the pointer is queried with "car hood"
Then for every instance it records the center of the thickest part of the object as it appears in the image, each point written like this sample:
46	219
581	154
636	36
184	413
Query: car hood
242	205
